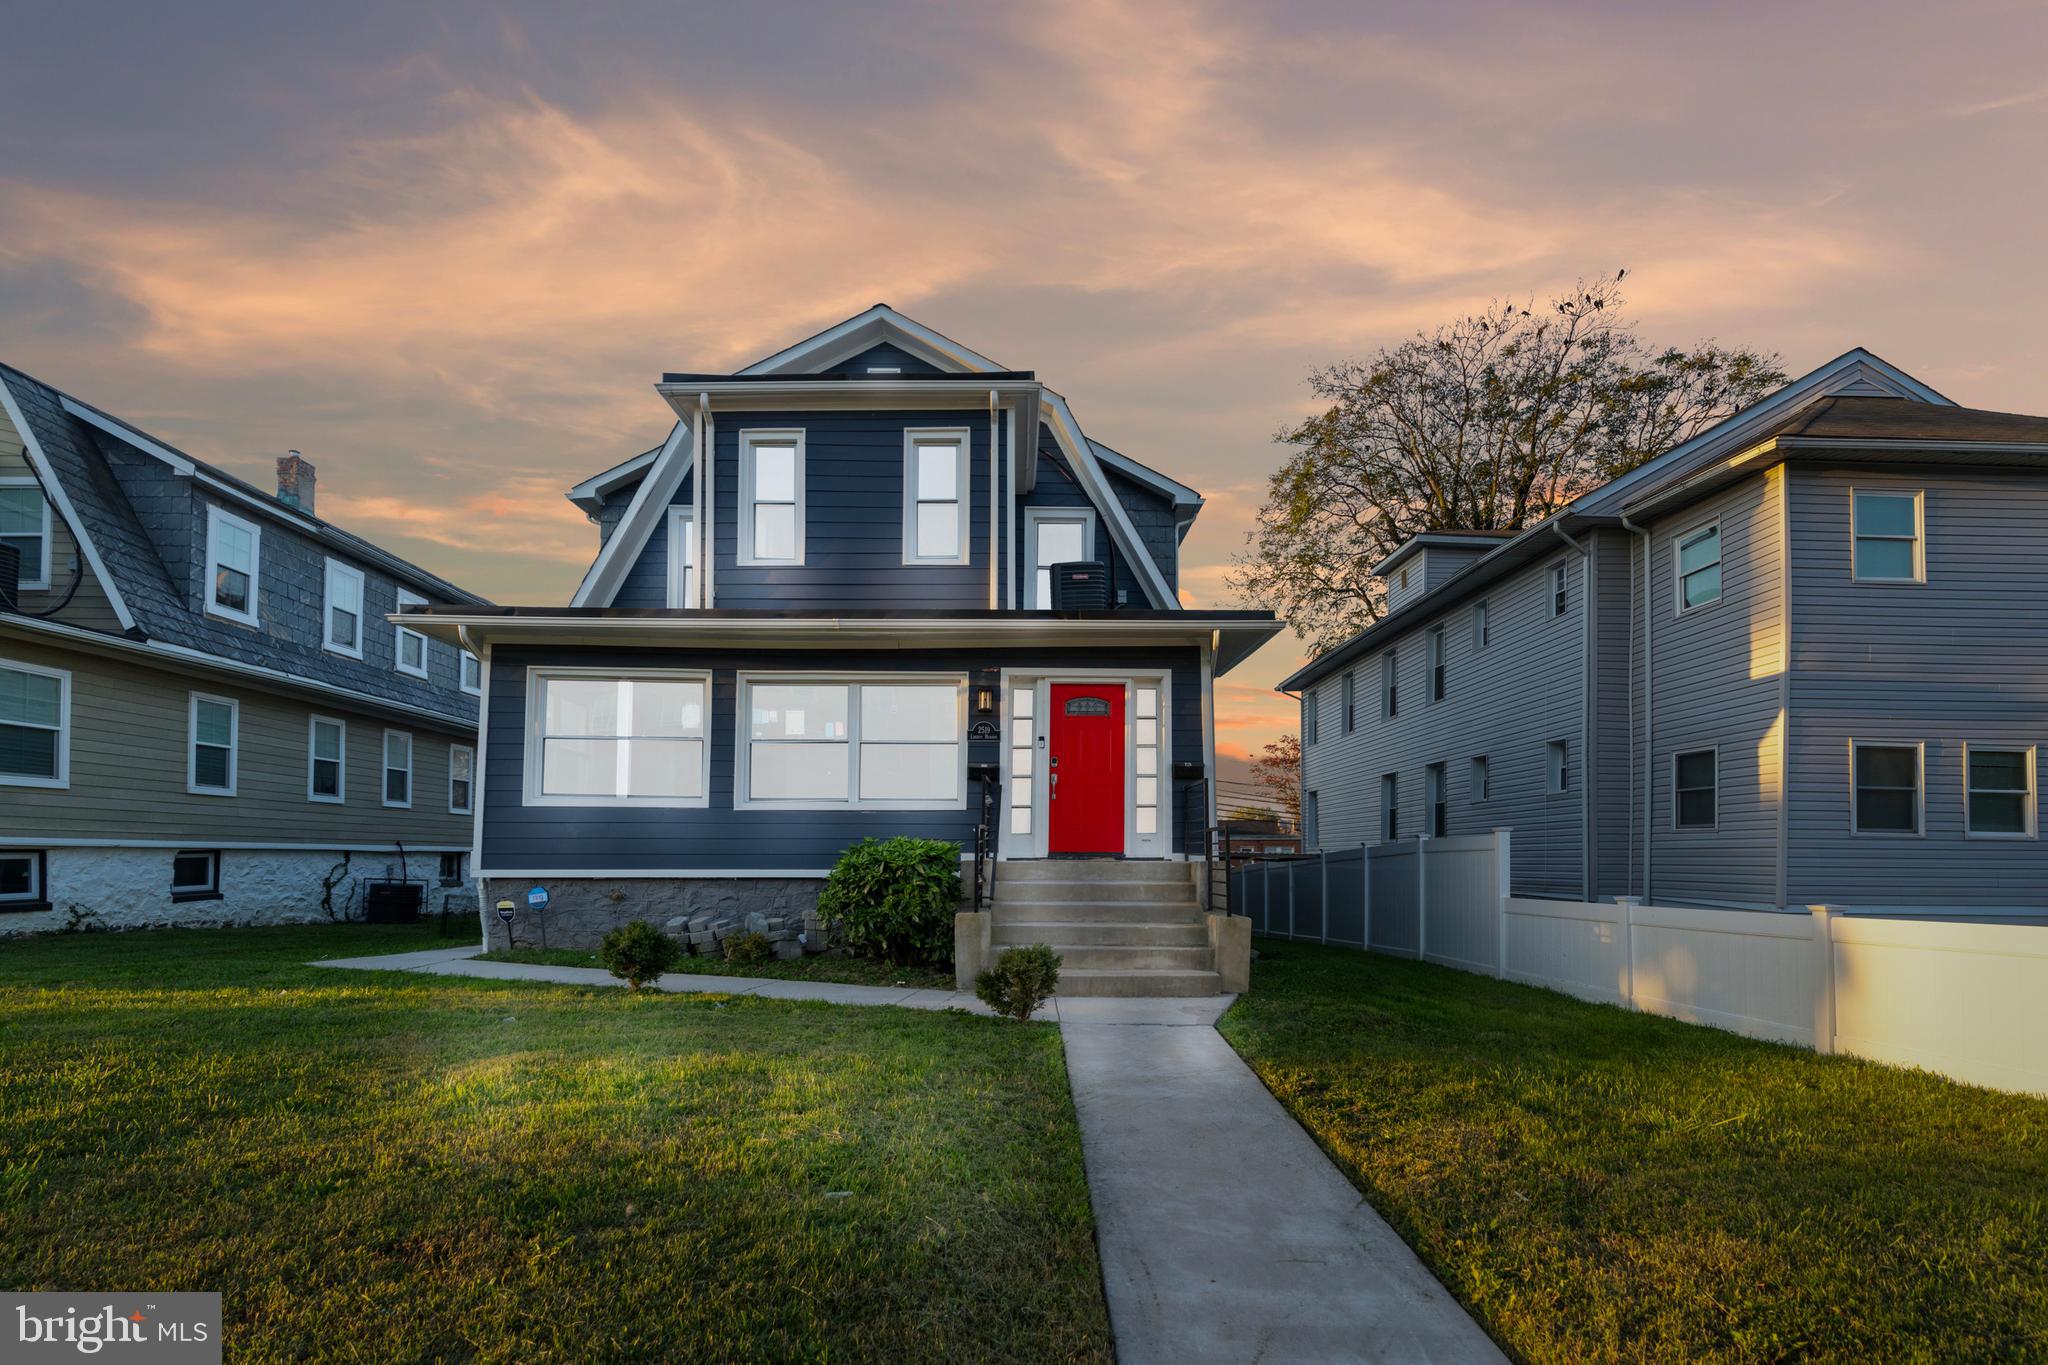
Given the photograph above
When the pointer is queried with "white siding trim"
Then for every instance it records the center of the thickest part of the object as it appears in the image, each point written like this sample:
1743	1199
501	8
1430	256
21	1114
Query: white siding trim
608	570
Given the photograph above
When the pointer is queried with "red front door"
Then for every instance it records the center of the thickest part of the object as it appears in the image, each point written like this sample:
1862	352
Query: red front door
1087	768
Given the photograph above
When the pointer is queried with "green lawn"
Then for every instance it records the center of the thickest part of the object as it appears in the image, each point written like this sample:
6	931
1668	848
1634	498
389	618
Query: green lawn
858	971
392	1167
1600	1185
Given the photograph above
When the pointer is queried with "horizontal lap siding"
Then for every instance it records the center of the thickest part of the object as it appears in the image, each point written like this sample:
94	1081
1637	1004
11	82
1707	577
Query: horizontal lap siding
1717	685
1613	718
717	836
646	583
1961	658
89	606
129	729
1152	517
1058	488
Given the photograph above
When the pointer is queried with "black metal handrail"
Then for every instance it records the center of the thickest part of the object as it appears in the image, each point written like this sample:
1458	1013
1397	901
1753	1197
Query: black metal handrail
985	839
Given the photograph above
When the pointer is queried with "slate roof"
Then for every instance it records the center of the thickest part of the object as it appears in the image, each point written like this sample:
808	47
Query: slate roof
164	600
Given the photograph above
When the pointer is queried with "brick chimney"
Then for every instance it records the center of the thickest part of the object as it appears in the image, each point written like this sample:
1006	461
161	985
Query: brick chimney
295	482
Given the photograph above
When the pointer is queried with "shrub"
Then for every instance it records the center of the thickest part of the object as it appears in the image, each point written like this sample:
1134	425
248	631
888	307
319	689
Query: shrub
748	947
895	899
1019	981
636	952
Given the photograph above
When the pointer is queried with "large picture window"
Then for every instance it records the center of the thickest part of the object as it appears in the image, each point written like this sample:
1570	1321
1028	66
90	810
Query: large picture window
879	743
35	726
935	497
636	739
771	497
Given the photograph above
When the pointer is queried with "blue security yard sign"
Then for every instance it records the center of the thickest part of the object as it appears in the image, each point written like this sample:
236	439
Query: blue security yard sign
537	898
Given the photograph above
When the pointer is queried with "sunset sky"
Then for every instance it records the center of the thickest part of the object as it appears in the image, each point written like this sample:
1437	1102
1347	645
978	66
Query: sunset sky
446	255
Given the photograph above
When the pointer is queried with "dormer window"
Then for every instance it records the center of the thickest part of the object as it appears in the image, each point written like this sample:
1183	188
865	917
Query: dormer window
935	497
771	497
344	634
411	646
233	555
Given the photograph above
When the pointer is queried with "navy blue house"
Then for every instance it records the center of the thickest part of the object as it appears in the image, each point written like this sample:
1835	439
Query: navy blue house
841	623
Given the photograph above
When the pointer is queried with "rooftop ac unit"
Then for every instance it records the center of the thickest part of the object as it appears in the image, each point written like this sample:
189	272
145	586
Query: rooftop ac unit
1080	585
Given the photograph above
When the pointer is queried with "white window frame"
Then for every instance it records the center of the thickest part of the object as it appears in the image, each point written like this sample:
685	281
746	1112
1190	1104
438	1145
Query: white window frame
464	662
39	581
63	777
215	517
963	464
192	743
1678	574
409	599
748	441
742	799
313	724
38	894
1027	748
1034	517
536	722
337	570
467	807
682	551
1919	497
195	891
1677	754
1919	748
2027	751
385	769
1560	589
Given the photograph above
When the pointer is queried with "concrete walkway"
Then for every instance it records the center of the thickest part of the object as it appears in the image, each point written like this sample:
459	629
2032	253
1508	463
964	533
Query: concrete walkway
1226	1235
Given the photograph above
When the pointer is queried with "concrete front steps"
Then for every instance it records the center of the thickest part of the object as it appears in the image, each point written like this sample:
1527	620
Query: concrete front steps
1120	928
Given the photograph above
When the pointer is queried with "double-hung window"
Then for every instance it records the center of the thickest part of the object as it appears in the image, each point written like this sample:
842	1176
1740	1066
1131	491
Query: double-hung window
234	553
682	556
25	524
1482	780
1558	763
1889	546
1390	685
410	647
2000	799
35	726
618	739
327	760
1482	626
1695	789
817	743
398	769
344	633
472	673
1350	702
22	880
1054	537
1439	801
1560	589
1390	806
1699	566
935	485
771	497
461	778
1436	664
1887	784
212	725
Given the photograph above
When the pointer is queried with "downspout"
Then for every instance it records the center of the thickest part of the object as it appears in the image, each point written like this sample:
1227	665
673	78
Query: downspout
709	489
994	500
1649	694
1585	714
698	501
1010	520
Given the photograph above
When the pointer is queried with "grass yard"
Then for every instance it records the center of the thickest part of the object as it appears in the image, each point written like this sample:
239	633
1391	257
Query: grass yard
389	1167
1601	1185
856	971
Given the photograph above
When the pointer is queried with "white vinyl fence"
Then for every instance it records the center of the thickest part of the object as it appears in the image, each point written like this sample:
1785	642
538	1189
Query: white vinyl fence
1965	998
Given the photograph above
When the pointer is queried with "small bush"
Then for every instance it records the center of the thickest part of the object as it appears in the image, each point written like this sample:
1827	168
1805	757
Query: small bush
748	947
1019	981
895	899
636	952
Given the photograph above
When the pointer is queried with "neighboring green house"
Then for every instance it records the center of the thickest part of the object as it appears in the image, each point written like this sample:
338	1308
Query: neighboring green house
205	717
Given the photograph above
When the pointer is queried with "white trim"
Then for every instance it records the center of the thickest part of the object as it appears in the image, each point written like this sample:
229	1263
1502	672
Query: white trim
215	515
339	569
1676	754
2027	752
192	743
963	487
409	599
53	489
463	659
1074	442
863	332
1919	497
39	875
193	890
1677	542
1176	492
1034	517
385	769
533	750
313	724
25	841
114	426
63	776
853	682
594	488
679	562
1009	516
749	439
1919	748
470	807
1163	841
601	582
40	580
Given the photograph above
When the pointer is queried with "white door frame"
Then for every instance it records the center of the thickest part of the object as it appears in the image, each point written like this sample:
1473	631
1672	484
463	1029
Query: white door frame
1159	844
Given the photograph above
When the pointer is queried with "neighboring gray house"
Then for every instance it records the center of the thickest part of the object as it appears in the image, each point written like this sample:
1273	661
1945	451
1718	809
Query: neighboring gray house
205	717
1801	659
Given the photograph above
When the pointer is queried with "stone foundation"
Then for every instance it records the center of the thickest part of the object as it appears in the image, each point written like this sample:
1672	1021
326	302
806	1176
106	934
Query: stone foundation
700	913
130	888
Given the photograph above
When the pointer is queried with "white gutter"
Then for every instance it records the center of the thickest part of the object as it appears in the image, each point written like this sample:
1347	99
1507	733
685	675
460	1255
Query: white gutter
1649	692
994	501
700	587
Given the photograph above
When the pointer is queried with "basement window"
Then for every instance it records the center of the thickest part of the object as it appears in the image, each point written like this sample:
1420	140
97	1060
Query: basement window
195	875
22	880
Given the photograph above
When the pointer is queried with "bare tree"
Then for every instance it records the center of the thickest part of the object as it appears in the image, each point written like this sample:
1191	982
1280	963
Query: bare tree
1492	422
1278	770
